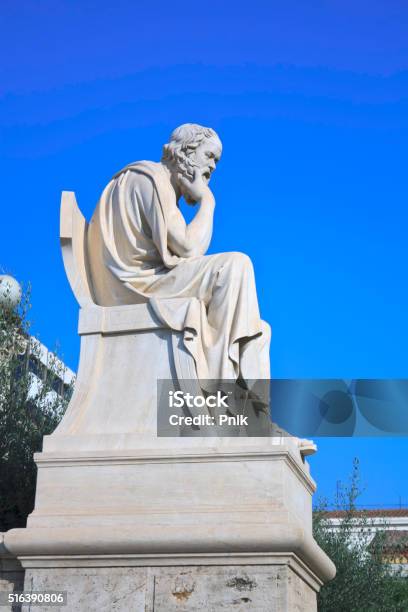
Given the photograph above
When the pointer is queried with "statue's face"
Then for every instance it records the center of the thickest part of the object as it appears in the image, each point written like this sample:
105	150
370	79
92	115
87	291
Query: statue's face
206	156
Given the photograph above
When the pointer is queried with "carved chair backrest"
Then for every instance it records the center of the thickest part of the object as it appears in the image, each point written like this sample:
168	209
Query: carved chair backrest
73	230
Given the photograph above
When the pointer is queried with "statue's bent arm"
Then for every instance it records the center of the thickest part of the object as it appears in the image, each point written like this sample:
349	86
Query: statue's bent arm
192	240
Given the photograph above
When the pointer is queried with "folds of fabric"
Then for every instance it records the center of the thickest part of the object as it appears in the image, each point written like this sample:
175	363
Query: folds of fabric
211	299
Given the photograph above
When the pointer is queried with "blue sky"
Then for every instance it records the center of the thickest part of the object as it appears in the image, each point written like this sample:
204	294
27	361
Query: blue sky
310	100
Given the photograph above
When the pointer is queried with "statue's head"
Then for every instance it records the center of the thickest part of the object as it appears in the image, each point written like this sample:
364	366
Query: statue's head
193	147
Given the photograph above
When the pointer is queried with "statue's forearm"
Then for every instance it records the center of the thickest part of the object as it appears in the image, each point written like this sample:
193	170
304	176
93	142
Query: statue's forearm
199	231
192	240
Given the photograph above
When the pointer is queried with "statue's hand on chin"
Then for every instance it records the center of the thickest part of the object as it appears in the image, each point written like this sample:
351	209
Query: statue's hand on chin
195	189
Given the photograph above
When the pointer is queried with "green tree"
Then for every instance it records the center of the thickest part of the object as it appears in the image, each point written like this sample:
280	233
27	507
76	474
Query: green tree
28	411
364	582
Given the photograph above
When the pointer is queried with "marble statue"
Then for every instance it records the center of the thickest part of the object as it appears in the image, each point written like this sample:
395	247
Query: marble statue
141	249
213	521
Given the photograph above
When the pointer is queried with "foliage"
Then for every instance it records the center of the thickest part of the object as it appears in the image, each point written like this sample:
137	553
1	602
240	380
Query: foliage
364	582
30	408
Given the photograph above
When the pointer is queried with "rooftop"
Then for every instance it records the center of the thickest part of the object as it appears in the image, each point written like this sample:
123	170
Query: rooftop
370	513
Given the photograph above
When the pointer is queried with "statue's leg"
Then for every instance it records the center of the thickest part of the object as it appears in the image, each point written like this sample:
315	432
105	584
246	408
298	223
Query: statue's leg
232	329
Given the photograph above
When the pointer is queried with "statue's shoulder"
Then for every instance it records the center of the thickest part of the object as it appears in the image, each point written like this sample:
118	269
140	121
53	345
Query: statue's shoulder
153	170
148	174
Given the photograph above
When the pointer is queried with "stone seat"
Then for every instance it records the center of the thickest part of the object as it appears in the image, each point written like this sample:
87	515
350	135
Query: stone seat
73	237
125	350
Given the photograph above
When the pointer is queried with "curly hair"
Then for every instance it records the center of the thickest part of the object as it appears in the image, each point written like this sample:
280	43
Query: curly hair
183	142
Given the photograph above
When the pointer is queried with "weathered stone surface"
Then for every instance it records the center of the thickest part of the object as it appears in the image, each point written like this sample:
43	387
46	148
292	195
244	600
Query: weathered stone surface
252	498
178	589
11	573
93	589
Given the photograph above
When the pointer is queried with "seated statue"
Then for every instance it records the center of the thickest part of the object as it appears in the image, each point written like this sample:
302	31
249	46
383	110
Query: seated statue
140	249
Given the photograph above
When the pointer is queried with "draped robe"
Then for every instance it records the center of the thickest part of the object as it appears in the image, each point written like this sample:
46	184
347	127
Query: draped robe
211	299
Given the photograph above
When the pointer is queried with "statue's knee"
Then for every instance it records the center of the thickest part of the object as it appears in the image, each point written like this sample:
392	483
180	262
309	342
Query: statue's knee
240	260
266	330
235	267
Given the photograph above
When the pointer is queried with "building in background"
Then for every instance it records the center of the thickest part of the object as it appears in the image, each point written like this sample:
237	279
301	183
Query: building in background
41	363
393	523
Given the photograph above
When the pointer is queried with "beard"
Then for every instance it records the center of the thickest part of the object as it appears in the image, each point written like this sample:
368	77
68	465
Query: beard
186	167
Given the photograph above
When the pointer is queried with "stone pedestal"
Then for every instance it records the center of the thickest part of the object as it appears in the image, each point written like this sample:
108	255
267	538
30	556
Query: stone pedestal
220	524
276	585
126	521
11	573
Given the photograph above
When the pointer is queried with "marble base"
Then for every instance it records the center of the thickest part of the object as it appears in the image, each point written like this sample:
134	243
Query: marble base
281	586
11	573
109	525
